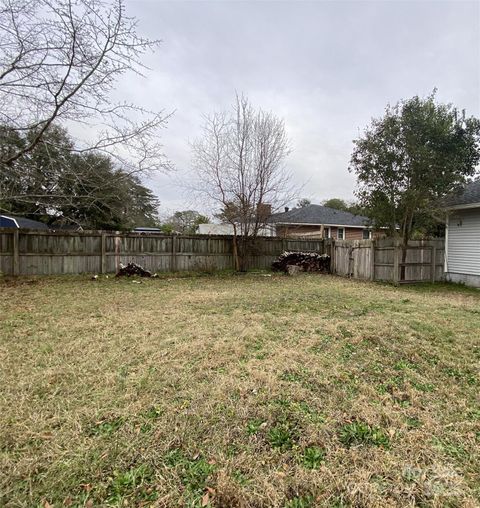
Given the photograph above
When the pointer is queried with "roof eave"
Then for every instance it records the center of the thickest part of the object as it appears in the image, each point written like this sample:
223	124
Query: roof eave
319	224
11	218
464	206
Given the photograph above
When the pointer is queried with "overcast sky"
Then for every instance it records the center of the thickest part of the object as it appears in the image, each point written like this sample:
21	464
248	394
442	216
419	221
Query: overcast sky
326	68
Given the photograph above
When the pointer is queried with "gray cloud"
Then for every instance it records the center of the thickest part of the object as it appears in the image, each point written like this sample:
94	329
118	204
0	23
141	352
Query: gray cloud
325	67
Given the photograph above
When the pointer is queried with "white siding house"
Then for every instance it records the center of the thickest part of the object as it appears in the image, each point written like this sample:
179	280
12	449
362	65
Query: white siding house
462	252
227	229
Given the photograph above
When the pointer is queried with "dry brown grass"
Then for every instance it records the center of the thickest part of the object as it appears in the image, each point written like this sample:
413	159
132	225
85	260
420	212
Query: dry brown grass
238	391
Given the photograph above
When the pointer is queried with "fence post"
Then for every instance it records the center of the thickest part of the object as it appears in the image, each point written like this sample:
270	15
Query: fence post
173	259
372	259
434	263
333	268
117	251
351	261
16	254
103	254
396	262
234	253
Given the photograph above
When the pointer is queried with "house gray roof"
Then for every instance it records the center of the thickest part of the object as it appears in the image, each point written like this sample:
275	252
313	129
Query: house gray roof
470	194
318	214
13	221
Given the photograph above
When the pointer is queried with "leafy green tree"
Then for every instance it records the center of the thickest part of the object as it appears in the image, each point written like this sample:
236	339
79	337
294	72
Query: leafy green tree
357	209
103	197
337	203
55	184
302	203
406	161
32	186
185	222
345	206
167	228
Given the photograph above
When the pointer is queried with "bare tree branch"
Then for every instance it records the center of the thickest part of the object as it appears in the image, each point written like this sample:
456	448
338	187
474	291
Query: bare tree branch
59	62
239	168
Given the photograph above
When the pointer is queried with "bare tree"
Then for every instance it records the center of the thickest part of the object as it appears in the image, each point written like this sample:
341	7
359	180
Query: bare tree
59	63
239	168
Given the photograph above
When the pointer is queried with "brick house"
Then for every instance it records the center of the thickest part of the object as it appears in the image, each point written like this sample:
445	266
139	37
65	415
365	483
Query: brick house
318	221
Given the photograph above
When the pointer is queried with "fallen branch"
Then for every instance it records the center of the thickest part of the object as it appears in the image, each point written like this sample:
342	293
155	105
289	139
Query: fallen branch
133	269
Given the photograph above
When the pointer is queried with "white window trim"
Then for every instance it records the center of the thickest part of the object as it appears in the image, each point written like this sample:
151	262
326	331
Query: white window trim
343	233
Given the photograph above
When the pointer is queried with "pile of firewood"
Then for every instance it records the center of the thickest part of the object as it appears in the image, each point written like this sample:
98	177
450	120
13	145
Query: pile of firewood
307	261
133	269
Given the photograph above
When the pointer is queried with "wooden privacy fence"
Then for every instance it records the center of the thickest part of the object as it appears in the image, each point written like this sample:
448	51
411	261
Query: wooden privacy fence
32	252
382	260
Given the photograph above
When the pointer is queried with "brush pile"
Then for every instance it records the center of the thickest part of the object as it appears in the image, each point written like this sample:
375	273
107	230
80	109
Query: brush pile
133	269
307	261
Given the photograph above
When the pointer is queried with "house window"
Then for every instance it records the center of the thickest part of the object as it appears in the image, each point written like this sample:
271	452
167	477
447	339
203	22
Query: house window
367	234
326	233
340	233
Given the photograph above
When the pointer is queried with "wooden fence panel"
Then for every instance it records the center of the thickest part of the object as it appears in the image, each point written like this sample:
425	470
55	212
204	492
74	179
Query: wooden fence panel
265	250
361	257
6	252
353	258
418	262
45	253
342	258
304	245
31	252
384	258
423	260
52	253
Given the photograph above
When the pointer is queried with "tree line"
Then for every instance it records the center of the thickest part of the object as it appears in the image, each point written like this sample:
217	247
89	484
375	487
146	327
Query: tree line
55	184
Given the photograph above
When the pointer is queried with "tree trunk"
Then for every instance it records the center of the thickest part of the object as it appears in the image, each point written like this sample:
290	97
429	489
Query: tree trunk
407	229
243	254
403	261
236	260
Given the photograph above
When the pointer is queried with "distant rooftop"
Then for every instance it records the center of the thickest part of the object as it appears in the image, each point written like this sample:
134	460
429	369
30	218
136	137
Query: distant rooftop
318	214
13	221
147	229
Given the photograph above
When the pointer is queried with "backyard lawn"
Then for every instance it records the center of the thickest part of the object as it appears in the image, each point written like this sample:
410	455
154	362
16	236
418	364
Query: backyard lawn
238	391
